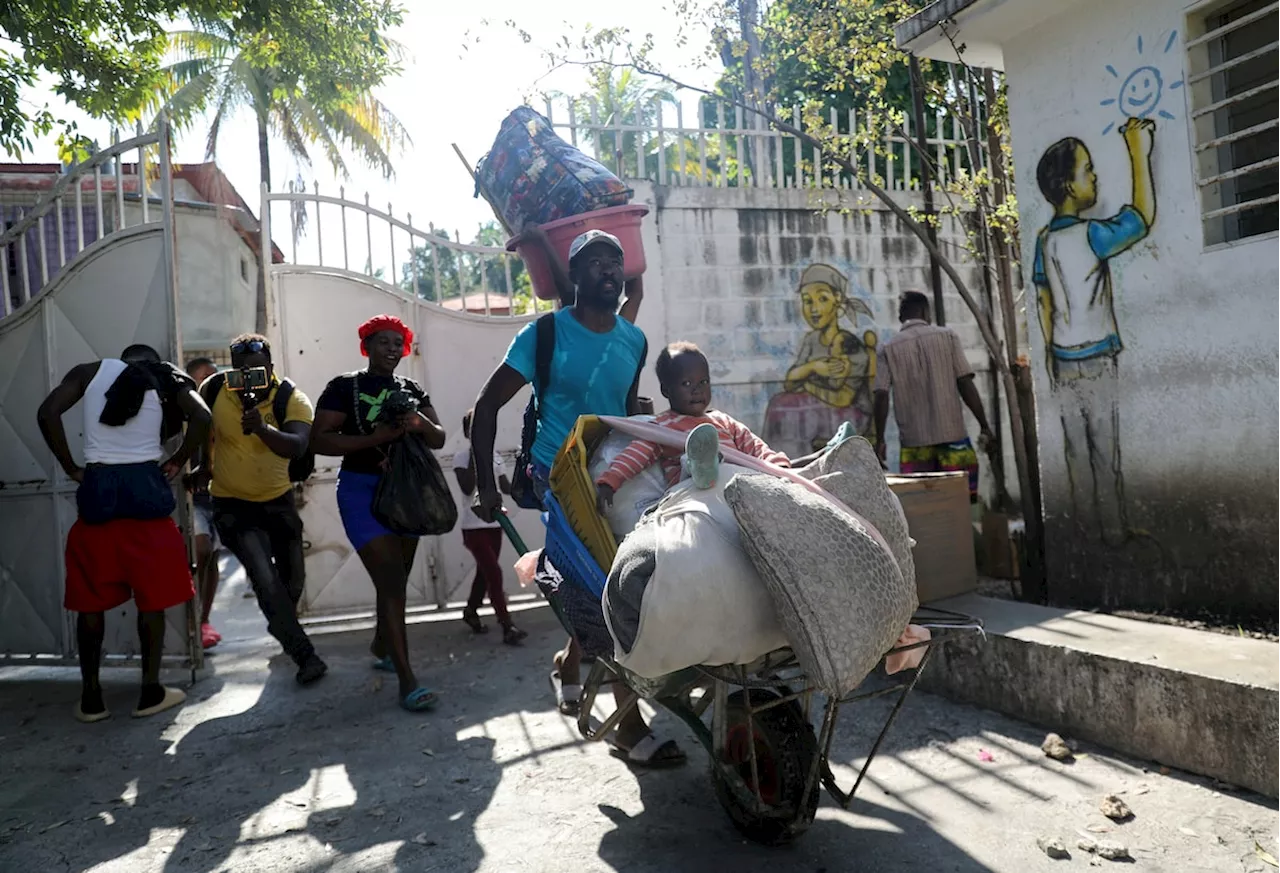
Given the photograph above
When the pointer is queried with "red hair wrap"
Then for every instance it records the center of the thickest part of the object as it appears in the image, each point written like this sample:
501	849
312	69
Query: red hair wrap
379	323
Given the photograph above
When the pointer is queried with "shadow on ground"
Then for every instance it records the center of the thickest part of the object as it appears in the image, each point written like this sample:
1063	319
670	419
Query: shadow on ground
256	774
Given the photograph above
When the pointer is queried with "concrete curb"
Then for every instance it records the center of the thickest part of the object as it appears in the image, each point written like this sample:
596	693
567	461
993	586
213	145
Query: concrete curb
1198	701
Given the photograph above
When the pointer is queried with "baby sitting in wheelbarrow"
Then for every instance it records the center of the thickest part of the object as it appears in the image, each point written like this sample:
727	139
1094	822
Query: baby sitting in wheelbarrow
684	376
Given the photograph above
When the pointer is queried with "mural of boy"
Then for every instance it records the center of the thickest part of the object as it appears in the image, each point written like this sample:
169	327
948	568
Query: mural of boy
830	380
1072	274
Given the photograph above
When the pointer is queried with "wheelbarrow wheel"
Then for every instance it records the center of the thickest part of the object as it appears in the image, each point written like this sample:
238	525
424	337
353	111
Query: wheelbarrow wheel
785	747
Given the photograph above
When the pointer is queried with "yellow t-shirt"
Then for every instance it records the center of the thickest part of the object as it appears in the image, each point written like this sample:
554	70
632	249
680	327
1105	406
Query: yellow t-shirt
243	466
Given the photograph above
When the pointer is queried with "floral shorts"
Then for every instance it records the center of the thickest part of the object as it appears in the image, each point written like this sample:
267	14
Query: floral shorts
943	458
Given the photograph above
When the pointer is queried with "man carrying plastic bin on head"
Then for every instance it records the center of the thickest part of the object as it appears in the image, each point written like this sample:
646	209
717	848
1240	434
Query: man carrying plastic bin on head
594	370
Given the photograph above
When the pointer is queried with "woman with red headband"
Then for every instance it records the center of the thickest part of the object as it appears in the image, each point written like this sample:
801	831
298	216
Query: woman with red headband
349	423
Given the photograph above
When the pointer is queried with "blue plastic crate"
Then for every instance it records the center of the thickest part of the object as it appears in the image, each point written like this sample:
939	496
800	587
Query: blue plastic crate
568	554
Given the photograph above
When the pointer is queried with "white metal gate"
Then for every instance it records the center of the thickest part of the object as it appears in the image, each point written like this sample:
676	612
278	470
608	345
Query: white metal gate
72	295
316	303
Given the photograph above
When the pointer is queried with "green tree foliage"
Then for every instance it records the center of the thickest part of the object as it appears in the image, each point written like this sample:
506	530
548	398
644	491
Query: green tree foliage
462	272
104	56
107	56
306	75
804	54
827	58
619	98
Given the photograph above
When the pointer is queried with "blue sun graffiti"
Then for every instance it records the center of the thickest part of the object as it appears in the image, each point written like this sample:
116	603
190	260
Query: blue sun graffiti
1142	90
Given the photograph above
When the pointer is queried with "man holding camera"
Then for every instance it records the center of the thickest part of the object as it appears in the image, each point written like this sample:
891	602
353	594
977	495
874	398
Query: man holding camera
253	506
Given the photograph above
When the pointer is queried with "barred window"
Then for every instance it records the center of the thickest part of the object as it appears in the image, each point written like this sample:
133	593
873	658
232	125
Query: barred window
1232	72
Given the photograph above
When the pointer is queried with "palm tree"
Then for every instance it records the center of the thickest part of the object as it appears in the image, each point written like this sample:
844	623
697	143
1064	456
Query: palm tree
622	98
213	68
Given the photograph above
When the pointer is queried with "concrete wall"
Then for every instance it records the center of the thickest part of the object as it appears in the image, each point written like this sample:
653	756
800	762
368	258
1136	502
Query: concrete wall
217	280
725	272
1187	520
217	276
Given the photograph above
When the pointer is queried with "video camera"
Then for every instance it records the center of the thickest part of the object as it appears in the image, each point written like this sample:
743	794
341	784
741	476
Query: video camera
251	383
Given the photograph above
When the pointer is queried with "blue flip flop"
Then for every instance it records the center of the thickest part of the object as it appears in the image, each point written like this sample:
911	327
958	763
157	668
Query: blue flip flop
385	665
419	700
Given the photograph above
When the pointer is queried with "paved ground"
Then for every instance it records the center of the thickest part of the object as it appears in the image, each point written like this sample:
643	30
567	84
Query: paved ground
255	774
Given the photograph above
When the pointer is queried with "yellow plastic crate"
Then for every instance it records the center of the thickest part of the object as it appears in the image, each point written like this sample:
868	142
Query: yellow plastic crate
572	485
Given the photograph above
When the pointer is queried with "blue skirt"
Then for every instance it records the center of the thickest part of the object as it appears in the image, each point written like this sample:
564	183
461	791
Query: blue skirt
355	507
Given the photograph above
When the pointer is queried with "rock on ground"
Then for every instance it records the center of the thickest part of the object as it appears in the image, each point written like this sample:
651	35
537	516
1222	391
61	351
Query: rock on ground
1107	850
1054	848
1056	747
1114	808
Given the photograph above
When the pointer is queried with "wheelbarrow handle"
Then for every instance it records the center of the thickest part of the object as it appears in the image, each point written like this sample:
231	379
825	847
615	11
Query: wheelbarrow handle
510	530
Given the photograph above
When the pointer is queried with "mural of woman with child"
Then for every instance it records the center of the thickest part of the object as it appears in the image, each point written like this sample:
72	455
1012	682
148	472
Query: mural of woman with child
830	381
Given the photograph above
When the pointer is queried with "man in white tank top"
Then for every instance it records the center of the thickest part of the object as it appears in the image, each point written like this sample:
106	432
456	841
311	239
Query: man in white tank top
125	543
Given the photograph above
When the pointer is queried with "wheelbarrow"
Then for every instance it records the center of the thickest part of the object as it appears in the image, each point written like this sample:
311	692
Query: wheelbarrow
767	758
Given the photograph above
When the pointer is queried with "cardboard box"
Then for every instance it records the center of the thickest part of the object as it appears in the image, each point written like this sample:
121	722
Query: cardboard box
938	517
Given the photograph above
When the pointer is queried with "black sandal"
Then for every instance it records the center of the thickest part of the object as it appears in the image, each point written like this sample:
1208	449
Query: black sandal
472	620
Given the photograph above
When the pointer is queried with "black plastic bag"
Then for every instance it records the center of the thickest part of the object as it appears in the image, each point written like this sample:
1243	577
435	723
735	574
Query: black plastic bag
412	498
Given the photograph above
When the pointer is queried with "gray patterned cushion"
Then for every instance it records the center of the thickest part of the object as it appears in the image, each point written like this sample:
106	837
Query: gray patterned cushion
851	473
839	593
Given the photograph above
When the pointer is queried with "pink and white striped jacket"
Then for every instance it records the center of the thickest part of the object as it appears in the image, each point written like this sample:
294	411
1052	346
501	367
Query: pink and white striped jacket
641	453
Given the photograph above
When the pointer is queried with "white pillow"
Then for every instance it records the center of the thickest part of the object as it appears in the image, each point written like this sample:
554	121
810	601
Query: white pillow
636	495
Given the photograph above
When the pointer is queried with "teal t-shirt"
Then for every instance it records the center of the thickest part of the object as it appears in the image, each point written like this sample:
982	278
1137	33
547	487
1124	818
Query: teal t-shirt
591	374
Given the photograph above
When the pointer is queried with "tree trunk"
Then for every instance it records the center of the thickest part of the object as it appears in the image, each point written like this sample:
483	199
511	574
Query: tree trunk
926	184
1035	587
264	167
1034	583
988	247
748	15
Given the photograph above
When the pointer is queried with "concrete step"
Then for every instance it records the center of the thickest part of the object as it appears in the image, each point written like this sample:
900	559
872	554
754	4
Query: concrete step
1195	700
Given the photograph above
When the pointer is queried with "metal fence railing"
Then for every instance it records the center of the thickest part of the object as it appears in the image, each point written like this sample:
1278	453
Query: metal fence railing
725	146
85	205
356	237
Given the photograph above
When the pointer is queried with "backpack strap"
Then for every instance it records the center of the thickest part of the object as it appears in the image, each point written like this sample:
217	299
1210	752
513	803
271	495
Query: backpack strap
635	383
280	405
215	383
644	356
543	351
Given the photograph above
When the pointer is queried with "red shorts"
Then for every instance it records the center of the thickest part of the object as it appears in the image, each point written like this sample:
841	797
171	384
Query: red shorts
108	563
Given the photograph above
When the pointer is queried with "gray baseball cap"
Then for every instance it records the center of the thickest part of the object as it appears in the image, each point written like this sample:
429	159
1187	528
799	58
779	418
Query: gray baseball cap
593	236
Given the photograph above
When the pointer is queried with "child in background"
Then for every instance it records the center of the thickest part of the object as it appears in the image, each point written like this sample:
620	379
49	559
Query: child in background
684	374
484	541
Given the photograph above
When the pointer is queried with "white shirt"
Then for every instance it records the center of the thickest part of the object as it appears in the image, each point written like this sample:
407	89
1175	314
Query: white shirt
137	440
1073	263
468	520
